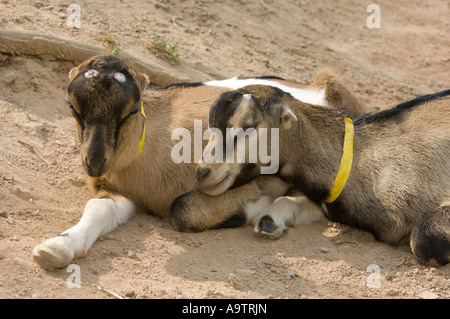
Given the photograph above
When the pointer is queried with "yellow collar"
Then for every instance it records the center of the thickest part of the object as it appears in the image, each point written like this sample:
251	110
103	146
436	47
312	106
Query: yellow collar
346	163
141	142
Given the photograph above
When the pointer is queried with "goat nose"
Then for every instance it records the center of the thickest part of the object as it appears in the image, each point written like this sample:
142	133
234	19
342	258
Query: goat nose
202	173
94	162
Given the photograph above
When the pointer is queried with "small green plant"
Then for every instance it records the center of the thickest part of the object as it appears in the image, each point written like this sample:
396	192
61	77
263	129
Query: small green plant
288	50
160	47
111	44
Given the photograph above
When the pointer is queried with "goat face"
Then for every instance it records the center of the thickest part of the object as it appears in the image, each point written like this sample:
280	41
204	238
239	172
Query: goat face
104	98
240	116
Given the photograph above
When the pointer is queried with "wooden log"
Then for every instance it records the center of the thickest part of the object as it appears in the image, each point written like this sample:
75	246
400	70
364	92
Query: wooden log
24	43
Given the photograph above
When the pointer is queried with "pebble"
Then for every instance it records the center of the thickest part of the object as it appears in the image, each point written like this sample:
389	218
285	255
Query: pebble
130	294
324	249
235	282
246	271
131	254
428	295
291	273
392	292
389	277
9	76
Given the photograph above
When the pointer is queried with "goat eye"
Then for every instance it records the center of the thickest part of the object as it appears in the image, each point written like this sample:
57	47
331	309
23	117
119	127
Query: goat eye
70	106
128	116
246	127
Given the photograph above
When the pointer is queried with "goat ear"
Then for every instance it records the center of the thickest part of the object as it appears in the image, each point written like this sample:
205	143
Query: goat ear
75	70
140	78
73	73
287	117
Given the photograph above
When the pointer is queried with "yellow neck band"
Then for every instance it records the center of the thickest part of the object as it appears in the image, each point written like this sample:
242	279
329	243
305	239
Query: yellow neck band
346	163
141	142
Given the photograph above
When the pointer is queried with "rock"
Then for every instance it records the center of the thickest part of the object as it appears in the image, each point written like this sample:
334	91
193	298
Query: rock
9	76
246	271
389	277
428	295
235	282
132	255
324	249
392	292
130	294
292	274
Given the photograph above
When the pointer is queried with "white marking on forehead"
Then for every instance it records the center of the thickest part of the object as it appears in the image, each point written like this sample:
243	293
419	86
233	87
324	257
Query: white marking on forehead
311	96
91	74
147	80
120	77
247	97
249	122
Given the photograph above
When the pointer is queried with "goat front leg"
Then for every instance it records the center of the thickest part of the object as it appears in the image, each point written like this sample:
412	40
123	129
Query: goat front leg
272	217
100	216
196	211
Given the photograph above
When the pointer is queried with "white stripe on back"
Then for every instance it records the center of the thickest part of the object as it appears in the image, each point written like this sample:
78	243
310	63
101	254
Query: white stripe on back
311	96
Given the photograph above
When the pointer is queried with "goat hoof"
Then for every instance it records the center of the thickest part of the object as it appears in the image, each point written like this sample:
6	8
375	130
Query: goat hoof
53	254
267	228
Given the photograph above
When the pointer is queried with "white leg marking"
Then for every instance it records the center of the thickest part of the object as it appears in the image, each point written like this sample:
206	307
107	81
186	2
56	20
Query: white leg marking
285	211
293	211
101	215
253	210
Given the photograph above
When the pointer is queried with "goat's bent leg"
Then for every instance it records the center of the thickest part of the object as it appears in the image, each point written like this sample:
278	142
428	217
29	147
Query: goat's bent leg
100	216
430	239
196	211
271	219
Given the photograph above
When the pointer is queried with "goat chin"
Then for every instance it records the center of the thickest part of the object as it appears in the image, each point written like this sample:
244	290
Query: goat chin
212	188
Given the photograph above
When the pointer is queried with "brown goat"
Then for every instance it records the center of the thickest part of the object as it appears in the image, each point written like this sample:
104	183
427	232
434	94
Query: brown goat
126	135
398	187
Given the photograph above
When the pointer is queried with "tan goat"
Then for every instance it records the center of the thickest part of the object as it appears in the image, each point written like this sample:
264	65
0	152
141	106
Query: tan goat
126	135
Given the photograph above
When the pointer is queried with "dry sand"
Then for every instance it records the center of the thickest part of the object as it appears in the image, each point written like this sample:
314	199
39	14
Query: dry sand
42	195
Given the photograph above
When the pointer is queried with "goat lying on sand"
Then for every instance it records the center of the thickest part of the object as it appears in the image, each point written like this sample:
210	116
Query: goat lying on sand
389	173
125	133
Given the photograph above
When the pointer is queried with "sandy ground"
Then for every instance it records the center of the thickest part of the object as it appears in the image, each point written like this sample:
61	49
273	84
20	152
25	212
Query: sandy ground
42	195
